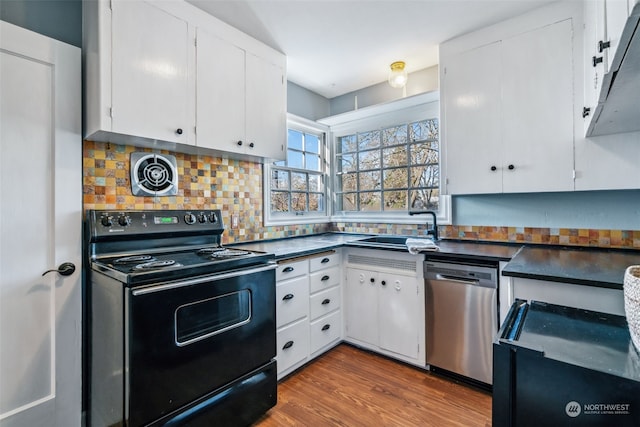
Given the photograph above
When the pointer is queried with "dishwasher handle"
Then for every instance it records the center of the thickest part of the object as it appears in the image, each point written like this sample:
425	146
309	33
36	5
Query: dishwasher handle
457	279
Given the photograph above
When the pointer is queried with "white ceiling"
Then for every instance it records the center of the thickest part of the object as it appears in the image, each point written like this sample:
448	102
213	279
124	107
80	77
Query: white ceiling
337	46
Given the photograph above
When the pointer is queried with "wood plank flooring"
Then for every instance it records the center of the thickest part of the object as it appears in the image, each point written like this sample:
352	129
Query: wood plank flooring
351	387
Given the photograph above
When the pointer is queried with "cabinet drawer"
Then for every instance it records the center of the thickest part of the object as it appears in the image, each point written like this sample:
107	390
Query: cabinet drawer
324	279
287	270
324	261
324	302
292	300
325	330
293	344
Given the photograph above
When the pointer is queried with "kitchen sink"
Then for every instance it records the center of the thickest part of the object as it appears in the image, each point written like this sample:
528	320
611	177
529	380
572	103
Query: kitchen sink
386	240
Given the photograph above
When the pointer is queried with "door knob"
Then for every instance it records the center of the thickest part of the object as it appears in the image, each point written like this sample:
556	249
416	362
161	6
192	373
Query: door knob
64	269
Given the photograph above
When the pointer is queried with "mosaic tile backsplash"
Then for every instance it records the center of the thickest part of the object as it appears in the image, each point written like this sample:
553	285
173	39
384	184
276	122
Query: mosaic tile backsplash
235	187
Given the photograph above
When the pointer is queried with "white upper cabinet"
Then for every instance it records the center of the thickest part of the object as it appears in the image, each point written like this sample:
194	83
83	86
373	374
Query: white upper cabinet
252	117
168	75
507	111
143	73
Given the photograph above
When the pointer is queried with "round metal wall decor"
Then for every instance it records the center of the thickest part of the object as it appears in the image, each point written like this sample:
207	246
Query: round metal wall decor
153	174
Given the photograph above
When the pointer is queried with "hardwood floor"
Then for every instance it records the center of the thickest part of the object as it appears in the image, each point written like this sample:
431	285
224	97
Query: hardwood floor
351	387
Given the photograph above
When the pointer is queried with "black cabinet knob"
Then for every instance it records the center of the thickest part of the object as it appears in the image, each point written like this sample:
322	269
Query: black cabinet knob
372	280
287	270
324	278
239	142
596	60
287	297
251	145
325	260
289	344
493	168
602	45
326	301
179	131
511	167
64	269
326	327
585	111
383	283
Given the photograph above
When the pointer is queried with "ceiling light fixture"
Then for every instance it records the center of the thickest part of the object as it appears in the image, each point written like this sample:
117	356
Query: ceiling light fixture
398	75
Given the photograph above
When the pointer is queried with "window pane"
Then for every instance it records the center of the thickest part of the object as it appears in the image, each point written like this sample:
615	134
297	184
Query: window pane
280	163
299	181
313	162
295	159
299	202
396	156
394	135
425	176
370	201
347	144
315	183
395	200
349	202
279	201
424	152
348	182
368	140
395	178
279	179
369	180
425	129
425	199
316	202
369	160
311	143
294	140
347	163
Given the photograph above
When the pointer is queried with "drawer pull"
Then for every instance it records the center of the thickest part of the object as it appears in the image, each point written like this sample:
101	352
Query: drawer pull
289	344
287	270
325	260
326	301
326	327
325	278
287	297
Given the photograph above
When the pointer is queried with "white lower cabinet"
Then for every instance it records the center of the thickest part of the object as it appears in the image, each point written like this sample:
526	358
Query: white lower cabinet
308	316
385	303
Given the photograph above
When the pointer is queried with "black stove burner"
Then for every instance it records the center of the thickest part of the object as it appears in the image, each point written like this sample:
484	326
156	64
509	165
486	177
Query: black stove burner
135	259
209	251
154	265
225	253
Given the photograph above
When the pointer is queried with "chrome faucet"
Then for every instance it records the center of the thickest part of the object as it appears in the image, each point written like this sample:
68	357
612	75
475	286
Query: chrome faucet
433	231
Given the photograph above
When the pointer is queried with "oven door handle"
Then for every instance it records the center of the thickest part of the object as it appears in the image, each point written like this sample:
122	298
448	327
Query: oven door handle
202	279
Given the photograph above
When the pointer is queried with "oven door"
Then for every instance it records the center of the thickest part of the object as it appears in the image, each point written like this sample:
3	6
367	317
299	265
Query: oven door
188	338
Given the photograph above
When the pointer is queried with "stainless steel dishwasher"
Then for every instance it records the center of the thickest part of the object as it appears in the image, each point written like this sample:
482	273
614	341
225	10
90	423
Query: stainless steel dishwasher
461	317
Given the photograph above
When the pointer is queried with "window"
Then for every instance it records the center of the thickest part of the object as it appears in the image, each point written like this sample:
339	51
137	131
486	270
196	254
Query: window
395	168
297	186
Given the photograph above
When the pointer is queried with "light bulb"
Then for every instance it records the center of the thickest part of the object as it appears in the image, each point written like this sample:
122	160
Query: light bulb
398	75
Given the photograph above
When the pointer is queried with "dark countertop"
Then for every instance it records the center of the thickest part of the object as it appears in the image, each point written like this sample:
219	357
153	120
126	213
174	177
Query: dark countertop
591	267
582	266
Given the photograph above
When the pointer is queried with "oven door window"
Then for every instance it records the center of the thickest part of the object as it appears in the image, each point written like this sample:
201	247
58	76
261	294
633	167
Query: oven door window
202	319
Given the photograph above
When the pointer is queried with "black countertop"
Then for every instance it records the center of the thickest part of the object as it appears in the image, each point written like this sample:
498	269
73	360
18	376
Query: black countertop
591	267
583	266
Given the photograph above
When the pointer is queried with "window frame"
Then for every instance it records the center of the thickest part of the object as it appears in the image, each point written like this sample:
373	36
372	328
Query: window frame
404	111
303	125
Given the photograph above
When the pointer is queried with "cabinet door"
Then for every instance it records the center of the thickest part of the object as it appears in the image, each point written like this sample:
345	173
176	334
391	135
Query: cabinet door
220	98
537	105
471	111
362	305
150	87
265	108
616	14
398	308
593	75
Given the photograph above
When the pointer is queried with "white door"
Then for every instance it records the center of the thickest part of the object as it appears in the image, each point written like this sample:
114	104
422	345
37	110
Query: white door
472	114
362	305
40	229
398	308
220	111
150	87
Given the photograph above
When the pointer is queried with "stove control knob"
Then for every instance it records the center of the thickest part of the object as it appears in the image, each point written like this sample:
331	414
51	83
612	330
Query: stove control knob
106	221
213	218
202	218
190	219
124	220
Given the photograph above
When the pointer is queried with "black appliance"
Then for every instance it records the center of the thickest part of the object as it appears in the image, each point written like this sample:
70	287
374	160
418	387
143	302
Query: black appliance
181	329
563	366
